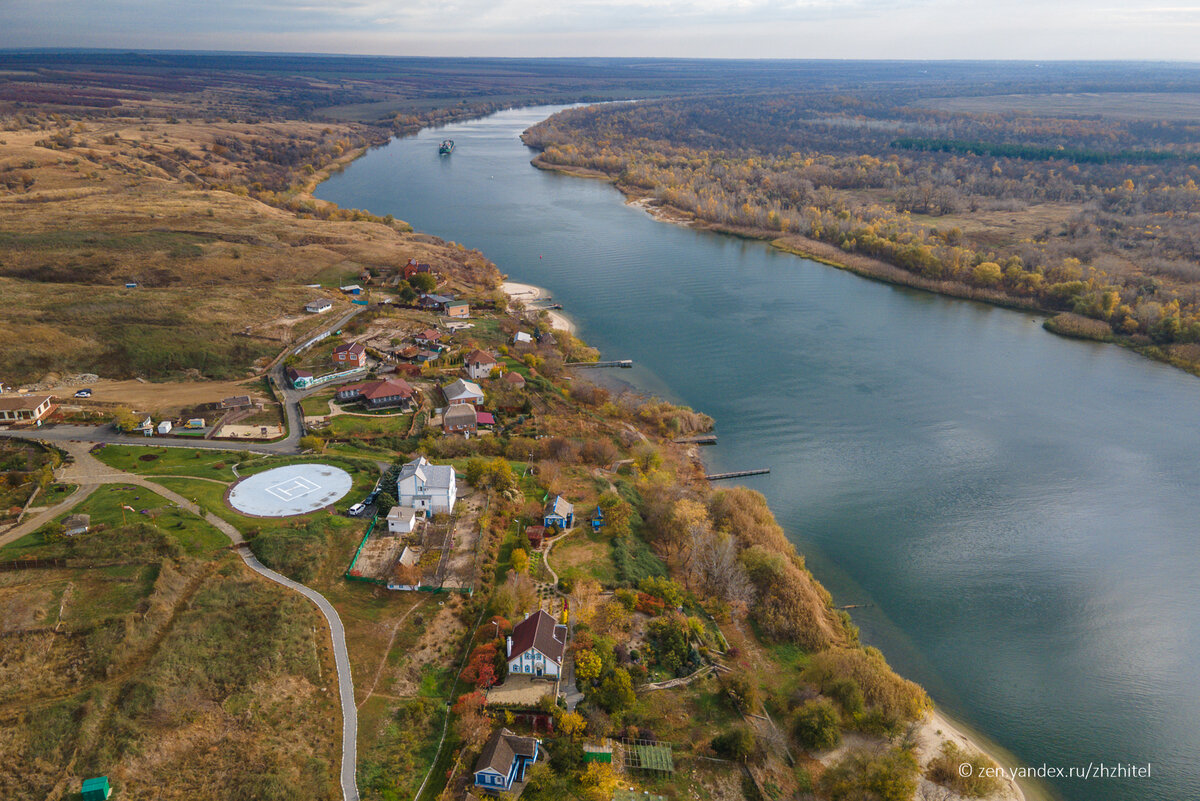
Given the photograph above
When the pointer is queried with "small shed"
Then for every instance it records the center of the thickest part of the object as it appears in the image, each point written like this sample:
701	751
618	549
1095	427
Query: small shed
165	427
601	752
401	520
535	534
96	789
76	524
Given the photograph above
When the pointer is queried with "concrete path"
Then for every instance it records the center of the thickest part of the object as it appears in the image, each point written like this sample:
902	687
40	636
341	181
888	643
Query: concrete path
341	657
89	473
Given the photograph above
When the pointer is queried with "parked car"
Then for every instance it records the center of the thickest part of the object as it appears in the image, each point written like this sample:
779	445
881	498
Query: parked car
357	509
83	393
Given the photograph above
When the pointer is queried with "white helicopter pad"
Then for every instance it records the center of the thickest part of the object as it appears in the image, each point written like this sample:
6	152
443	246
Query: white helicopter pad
293	489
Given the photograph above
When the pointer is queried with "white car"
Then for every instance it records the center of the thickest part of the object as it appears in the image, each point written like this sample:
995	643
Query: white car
83	393
356	510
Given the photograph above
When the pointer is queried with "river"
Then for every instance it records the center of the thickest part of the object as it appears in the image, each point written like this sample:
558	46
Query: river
1017	511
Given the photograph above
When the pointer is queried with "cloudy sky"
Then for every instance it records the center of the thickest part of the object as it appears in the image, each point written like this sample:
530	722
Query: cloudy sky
918	29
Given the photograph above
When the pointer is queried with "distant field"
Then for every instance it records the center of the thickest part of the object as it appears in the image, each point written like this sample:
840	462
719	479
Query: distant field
1114	105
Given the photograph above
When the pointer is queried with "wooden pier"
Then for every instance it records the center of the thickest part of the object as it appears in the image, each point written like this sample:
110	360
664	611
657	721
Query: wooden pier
626	363
699	439
738	474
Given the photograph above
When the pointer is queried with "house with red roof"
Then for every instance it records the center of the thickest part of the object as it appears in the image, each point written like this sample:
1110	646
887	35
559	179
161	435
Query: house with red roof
379	394
430	338
536	646
353	354
415	268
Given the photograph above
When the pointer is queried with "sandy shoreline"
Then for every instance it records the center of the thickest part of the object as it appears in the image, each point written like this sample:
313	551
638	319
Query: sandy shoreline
527	293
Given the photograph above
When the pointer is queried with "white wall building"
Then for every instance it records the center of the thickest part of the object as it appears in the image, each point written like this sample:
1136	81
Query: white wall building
536	646
426	487
401	520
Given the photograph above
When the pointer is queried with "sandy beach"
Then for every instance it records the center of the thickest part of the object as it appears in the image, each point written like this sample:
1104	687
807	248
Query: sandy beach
527	293
928	737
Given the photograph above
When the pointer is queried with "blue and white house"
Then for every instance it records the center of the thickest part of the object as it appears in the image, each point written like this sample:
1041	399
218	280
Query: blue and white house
560	513
536	647
504	760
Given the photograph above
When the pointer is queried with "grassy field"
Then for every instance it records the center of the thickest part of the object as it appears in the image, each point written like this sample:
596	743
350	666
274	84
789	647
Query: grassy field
348	425
585	553
172	669
166	205
318	405
192	534
170	461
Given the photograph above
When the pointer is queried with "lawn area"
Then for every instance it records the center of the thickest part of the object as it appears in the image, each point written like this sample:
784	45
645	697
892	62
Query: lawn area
317	405
585	552
348	425
196	536
170	461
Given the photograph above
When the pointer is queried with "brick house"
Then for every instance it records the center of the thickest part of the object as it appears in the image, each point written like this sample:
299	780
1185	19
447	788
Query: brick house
353	354
379	394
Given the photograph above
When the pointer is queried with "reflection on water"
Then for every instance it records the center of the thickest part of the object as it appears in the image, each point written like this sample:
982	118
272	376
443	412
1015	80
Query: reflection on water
1019	509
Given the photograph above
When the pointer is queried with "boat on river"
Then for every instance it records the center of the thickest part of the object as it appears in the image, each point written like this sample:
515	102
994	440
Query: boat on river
446	148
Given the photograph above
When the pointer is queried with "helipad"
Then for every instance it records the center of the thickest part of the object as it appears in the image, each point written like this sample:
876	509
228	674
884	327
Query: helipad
290	490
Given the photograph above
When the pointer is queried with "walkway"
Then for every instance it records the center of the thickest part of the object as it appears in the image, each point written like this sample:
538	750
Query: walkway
89	473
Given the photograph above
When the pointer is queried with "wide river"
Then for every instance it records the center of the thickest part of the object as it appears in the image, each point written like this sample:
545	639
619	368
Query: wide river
1018	512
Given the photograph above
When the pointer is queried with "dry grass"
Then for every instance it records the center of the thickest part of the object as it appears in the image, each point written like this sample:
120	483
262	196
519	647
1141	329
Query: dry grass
121	203
1115	105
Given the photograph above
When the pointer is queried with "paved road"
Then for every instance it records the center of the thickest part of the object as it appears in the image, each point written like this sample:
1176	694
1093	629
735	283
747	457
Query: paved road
89	472
290	398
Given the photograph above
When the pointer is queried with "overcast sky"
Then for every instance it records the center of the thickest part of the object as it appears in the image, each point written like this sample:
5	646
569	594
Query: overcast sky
915	29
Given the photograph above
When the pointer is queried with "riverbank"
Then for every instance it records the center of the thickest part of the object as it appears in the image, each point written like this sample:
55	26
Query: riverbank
934	726
528	293
1184	356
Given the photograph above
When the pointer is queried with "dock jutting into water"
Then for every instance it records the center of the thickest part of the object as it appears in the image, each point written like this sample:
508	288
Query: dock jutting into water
698	439
738	474
626	363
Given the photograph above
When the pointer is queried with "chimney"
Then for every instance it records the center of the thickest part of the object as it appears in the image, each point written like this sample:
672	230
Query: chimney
508	647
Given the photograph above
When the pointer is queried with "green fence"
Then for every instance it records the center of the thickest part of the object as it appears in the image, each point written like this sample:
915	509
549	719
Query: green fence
347	575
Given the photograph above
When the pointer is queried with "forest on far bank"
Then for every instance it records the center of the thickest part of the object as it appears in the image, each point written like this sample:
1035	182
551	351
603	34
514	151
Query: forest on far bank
1089	214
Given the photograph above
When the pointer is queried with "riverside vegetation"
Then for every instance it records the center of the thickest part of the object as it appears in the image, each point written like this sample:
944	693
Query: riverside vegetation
1090	214
125	659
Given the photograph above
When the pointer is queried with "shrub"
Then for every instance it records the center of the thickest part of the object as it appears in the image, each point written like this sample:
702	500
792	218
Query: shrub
890	776
817	726
737	743
945	769
741	690
888	697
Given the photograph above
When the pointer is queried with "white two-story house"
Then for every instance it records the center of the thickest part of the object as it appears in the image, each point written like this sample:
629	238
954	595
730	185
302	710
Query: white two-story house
426	487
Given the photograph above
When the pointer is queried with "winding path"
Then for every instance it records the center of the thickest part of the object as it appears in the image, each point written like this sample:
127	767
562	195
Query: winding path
89	473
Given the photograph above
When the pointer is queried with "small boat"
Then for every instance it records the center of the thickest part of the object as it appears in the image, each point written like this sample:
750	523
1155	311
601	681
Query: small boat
447	147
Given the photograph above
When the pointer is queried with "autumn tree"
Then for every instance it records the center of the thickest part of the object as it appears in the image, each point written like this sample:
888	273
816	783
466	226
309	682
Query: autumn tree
481	666
572	724
587	666
599	782
520	560
471	722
